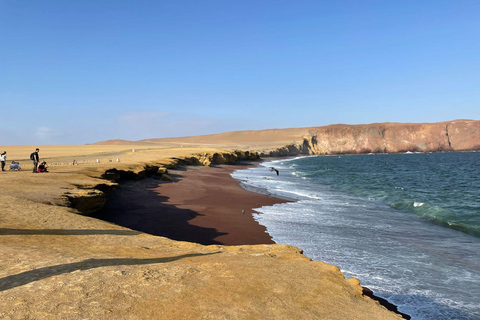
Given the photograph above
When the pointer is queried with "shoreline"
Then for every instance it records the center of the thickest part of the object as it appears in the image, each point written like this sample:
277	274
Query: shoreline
190	210
59	261
205	205
365	290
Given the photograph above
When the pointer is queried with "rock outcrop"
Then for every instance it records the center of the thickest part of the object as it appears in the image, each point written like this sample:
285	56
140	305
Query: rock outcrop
459	135
91	199
308	145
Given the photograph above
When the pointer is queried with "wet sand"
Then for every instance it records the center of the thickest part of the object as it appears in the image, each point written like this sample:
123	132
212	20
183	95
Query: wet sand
205	205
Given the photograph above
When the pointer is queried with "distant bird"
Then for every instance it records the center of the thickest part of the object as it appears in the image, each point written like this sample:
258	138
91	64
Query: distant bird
273	169
243	211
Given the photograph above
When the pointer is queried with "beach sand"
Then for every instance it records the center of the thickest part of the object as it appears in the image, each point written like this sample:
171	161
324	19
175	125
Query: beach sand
204	205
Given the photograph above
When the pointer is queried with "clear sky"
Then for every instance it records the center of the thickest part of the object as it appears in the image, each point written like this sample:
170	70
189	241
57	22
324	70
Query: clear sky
74	72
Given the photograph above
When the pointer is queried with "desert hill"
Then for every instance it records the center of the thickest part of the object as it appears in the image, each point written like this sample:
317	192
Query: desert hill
456	135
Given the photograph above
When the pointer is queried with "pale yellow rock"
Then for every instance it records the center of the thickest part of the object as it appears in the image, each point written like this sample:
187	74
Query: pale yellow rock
57	264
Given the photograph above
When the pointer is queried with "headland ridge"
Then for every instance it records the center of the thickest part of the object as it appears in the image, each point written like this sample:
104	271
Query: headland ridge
59	262
389	137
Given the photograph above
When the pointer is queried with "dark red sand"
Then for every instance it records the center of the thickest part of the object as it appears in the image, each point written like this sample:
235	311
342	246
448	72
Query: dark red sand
204	206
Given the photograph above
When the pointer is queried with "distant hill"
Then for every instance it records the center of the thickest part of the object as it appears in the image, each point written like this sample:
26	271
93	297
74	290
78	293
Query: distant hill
456	135
118	142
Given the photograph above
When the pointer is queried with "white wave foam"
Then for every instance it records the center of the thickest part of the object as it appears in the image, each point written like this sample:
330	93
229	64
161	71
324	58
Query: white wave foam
269	163
300	194
390	259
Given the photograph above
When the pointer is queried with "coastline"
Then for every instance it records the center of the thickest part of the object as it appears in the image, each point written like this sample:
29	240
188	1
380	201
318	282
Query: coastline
59	261
204	205
365	290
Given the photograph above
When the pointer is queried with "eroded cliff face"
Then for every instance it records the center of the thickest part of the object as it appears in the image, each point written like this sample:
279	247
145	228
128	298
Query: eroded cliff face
90	199
459	135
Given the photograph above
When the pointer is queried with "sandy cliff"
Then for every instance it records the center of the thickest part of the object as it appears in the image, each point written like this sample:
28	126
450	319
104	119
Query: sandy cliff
457	135
57	263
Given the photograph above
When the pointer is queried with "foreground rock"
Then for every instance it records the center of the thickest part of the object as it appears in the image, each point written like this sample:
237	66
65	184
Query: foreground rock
57	264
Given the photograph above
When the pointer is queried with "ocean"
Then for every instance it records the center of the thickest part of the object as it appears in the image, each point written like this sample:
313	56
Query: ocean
406	225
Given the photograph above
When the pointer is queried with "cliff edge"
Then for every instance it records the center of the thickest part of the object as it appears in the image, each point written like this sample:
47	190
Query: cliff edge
57	263
459	135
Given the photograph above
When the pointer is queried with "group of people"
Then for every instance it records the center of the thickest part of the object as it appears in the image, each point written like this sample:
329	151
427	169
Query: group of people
37	165
14	166
3	159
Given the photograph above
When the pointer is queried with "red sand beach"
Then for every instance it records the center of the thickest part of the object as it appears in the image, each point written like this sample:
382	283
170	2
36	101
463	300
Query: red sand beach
204	206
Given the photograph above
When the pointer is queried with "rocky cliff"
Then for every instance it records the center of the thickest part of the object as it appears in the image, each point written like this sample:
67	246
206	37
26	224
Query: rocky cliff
459	135
90	199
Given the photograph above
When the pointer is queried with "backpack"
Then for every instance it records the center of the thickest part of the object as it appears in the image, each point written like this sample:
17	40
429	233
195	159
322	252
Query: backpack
32	156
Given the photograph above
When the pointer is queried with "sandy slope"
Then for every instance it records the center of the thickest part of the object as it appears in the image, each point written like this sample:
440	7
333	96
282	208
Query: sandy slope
457	135
59	264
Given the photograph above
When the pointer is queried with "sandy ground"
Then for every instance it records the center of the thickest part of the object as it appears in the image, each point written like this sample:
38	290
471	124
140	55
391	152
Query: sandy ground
58	264
86	155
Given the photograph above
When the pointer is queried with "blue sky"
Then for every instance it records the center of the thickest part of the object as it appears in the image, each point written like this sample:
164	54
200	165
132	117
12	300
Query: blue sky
74	72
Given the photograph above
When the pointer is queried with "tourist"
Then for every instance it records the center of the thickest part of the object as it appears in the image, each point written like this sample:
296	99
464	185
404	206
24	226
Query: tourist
42	167
15	166
34	157
3	158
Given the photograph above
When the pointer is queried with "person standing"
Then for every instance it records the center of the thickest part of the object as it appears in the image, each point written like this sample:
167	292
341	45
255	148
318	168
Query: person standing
3	158
34	157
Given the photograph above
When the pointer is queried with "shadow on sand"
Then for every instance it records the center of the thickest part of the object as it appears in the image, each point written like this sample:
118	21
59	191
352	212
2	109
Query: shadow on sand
68	232
149	212
26	277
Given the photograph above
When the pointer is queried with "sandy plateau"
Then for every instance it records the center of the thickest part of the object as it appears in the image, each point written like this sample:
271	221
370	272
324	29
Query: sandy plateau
60	264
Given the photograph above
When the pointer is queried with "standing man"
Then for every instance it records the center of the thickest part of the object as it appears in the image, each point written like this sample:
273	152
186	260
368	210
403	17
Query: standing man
35	159
3	158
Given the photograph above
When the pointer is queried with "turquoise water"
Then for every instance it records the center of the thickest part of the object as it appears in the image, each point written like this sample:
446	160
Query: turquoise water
406	225
443	187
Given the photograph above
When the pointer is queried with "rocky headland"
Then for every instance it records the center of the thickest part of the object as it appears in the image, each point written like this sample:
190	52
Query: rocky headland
460	135
457	135
58	262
